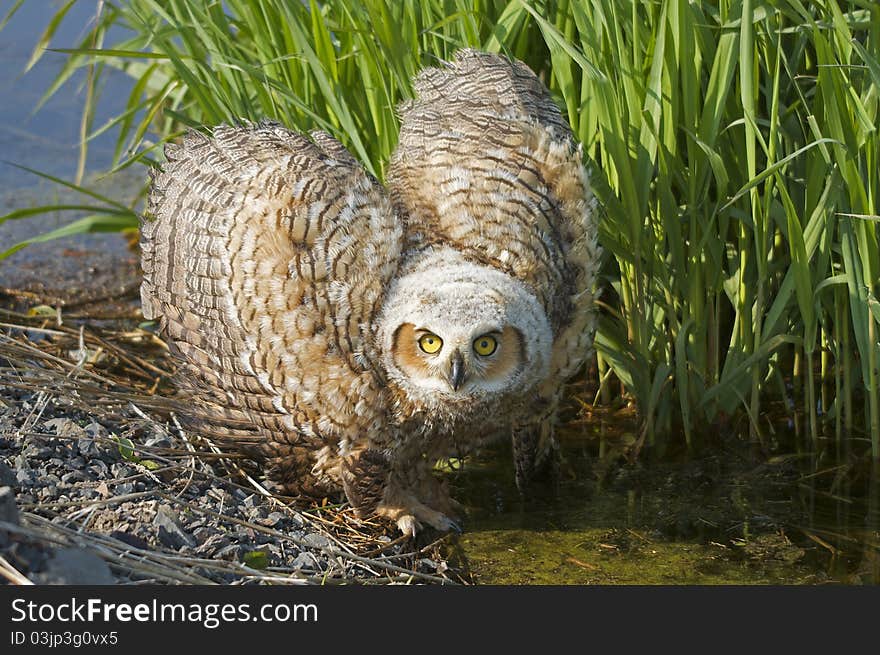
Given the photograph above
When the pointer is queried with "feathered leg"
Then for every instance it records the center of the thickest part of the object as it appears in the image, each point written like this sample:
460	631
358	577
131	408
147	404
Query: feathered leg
373	486
535	452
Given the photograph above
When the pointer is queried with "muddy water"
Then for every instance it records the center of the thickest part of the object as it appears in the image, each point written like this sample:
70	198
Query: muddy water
727	518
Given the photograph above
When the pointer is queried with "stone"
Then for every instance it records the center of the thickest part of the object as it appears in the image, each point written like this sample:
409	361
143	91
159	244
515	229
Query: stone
75	566
315	540
7	475
65	428
8	508
305	561
169	530
130	539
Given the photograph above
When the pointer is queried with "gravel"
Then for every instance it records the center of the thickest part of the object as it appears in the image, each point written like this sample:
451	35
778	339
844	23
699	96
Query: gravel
95	496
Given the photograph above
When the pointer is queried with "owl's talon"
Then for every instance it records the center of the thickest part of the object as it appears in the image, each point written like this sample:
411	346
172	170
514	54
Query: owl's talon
453	526
443	523
408	525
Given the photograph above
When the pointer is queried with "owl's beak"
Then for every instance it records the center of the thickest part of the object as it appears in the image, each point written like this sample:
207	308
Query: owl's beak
457	371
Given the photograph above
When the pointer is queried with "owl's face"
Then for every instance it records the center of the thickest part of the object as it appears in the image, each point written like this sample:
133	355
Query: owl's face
459	360
457	331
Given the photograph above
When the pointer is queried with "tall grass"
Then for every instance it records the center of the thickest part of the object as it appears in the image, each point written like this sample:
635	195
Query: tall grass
733	148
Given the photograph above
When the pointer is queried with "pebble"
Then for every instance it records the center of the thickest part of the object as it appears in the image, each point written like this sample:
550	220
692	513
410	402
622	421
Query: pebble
50	479
73	476
7	475
315	540
130	539
24	477
274	520
34	451
75	566
306	561
65	428
96	431
88	448
169	530
157	438
120	470
48	492
8	508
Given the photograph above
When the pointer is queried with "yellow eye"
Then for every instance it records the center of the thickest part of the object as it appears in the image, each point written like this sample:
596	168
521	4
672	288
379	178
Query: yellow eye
430	343
485	345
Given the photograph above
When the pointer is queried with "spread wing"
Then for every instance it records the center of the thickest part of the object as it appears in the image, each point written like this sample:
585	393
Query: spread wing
487	164
265	259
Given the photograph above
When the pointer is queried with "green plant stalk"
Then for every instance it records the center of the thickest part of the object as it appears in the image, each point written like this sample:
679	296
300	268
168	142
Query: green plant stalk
841	403
824	369
750	323
847	380
873	391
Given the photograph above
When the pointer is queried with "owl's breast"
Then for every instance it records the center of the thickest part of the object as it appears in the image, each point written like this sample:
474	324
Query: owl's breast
454	427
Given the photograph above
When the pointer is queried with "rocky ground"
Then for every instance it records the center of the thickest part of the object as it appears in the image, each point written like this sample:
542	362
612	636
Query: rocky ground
99	484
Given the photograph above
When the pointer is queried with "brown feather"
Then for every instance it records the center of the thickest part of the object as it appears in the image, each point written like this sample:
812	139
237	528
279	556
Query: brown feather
267	256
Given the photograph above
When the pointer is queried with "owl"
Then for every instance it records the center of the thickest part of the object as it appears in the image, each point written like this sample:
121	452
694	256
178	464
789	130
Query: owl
350	334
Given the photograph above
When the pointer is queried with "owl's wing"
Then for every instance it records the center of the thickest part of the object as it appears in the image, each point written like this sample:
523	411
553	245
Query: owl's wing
487	164
265	260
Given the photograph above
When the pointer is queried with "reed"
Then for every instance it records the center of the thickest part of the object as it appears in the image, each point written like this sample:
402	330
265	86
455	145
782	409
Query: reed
733	147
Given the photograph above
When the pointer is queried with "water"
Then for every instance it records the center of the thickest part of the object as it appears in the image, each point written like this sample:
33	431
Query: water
48	141
730	517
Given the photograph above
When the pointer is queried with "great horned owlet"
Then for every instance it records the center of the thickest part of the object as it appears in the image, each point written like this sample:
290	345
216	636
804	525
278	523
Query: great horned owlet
350	334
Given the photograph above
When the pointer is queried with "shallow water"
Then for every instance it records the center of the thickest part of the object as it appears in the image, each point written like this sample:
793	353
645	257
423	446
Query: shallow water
727	518
48	141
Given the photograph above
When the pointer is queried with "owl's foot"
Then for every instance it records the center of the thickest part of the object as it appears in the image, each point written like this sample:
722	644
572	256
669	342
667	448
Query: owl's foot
410	517
372	488
410	525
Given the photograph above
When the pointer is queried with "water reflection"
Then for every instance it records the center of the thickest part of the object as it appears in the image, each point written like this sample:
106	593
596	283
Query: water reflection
729	517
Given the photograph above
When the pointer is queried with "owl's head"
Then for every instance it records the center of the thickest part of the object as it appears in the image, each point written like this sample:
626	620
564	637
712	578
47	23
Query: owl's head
458	331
